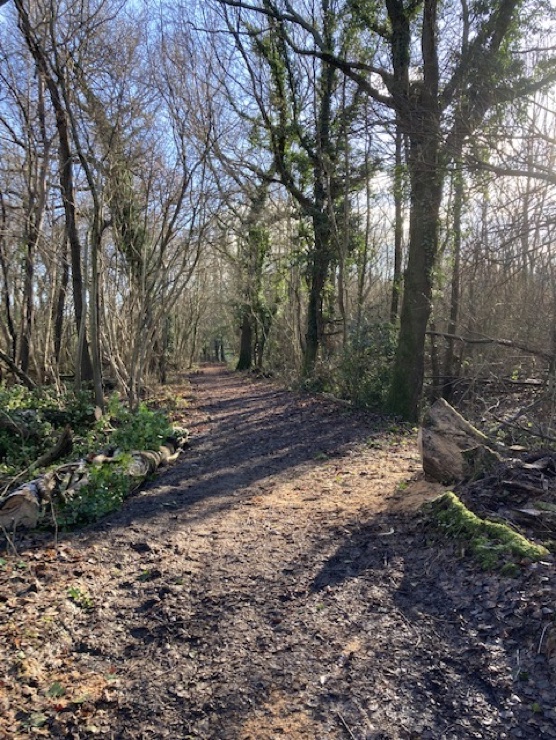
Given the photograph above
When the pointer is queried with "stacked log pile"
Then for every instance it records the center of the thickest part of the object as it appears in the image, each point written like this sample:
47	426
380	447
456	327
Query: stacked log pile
29	504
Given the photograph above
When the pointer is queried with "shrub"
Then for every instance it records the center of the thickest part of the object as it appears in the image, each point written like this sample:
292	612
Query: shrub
364	372
142	430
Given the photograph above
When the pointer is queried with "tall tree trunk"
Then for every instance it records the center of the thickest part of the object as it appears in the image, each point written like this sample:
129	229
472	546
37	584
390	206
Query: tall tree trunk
449	358
418	114
318	274
96	239
60	303
9	328
37	186
426	196
27	307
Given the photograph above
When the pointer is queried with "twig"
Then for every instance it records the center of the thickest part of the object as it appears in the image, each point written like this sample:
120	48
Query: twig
13	480
492	340
53	510
346	726
522	486
524	410
546	626
517	671
11	544
525	431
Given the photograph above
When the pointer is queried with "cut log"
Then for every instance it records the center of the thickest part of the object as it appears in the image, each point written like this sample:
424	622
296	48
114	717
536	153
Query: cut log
24	506
28	504
451	448
145	462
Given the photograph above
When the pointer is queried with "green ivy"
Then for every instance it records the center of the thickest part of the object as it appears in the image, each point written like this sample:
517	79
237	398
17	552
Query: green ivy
142	430
105	491
42	414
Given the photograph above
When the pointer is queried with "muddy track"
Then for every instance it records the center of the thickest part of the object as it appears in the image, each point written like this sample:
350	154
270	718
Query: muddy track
276	584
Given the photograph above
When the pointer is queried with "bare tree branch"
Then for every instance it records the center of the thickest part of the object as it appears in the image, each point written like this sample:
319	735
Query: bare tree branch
490	340
25	379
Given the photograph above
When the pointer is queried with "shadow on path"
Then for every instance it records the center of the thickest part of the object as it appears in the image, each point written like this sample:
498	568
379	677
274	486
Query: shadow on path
243	433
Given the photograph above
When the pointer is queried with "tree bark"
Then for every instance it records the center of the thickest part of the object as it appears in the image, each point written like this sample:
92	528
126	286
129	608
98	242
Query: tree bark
426	196
418	112
245	360
9	329
318	274
449	359
398	229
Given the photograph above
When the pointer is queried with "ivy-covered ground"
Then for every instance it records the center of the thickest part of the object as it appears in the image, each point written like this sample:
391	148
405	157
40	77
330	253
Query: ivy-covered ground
84	452
276	583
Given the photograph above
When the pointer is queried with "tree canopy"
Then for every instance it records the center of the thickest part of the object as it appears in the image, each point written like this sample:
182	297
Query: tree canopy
312	187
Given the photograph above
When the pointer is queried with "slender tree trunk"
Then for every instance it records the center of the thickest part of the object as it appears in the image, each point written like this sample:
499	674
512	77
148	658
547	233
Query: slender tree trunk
398	228
37	175
85	370
342	296
319	268
364	255
60	303
436	382
9	329
27	308
96	239
449	358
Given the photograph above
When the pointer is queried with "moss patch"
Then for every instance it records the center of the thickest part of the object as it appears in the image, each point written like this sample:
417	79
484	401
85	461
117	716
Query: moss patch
494	545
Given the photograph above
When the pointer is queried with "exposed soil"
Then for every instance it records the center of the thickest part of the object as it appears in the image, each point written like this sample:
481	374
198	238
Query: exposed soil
276	583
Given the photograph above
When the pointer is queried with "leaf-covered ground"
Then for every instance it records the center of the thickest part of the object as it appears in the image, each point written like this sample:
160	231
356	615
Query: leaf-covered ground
276	583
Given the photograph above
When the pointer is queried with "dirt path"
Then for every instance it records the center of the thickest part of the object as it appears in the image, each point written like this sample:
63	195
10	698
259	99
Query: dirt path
271	586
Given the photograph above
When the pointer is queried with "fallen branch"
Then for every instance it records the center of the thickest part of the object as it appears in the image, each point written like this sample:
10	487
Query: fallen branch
528	432
491	340
61	448
25	379
346	726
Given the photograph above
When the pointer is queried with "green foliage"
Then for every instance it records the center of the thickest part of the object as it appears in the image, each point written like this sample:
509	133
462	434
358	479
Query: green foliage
362	372
33	421
140	430
82	599
365	368
104	492
120	428
108	484
492	544
34	418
